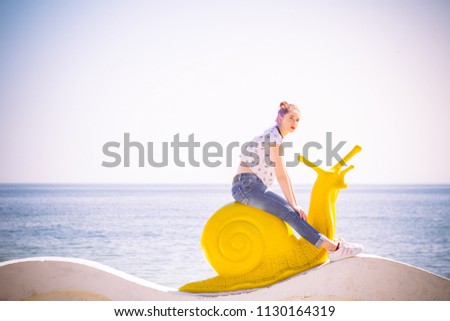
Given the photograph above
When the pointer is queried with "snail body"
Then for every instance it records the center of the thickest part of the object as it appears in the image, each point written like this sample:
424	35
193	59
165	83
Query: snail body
250	248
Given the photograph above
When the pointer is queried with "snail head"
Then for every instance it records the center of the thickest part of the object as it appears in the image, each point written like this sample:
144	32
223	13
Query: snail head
333	177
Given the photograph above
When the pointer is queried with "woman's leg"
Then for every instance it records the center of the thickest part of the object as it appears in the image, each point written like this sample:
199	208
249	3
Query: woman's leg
253	192
249	190
278	206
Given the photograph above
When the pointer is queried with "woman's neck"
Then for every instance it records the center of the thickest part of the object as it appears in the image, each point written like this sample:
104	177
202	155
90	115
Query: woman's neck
283	134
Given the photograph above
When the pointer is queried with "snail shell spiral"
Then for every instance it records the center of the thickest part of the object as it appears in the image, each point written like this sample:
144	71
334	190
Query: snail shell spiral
237	238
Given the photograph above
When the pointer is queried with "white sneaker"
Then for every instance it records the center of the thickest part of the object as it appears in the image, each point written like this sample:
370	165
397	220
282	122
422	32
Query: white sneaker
345	250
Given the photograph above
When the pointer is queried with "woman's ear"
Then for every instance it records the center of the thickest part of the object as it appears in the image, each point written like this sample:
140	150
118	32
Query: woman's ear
279	119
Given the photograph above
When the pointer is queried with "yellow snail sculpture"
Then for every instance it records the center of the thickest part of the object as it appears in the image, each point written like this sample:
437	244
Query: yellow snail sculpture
250	248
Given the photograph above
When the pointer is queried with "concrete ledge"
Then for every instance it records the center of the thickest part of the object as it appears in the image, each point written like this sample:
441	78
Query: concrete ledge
364	277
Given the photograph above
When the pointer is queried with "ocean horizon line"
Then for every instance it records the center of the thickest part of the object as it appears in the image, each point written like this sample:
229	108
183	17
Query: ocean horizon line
129	184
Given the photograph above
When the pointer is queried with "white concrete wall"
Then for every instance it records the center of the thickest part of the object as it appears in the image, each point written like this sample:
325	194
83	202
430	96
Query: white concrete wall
361	278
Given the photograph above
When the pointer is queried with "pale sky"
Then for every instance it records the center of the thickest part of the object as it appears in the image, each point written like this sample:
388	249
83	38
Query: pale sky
78	74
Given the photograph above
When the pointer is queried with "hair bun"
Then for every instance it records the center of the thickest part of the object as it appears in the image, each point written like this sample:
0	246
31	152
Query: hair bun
284	104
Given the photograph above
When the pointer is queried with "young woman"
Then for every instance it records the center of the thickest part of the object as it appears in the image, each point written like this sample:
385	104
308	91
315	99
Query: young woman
261	163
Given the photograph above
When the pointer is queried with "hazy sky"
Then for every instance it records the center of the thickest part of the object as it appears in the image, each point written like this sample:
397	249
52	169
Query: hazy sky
78	74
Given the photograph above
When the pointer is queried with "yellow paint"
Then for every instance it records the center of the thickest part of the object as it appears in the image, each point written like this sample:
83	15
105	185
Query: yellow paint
249	248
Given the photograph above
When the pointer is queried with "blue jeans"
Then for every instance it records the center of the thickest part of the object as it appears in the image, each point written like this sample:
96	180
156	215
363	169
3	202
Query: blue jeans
250	190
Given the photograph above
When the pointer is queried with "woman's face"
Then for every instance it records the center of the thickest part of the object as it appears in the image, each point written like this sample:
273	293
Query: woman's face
289	122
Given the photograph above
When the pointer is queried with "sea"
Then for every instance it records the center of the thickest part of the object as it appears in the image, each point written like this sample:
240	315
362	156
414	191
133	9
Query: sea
153	231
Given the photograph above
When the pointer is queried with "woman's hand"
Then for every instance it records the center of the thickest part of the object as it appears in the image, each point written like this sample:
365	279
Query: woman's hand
301	212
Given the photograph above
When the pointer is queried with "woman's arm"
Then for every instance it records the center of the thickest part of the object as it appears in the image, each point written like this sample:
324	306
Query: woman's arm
284	181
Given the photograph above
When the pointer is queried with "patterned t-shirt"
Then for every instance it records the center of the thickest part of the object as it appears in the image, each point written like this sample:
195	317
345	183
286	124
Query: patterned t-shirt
256	154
